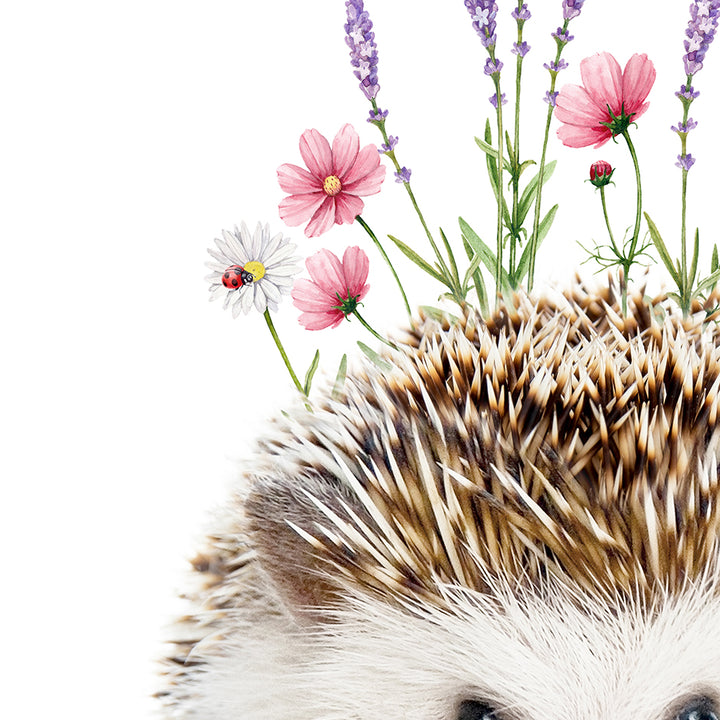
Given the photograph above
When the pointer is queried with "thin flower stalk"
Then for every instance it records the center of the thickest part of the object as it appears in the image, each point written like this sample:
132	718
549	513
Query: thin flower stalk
562	38
385	257
283	354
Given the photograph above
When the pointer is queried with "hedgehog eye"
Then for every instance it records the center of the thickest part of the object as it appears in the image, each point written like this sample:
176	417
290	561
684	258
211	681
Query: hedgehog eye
478	710
698	709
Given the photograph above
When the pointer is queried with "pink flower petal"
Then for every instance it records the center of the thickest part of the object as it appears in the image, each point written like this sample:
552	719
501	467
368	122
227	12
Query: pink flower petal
309	297
294	179
320	321
602	77
638	79
366	162
577	136
327	272
368	185
296	209
345	149
347	207
323	218
575	106
356	267
316	153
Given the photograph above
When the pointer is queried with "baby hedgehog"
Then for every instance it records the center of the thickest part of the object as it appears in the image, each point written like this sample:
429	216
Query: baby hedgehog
518	519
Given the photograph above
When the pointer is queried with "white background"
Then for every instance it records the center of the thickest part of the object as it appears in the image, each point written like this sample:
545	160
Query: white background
132	133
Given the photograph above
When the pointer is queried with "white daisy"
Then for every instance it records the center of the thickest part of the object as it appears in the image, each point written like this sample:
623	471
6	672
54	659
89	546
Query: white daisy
252	269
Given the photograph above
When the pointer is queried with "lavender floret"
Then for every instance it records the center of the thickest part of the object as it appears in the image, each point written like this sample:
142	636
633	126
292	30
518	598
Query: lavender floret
562	36
389	146
363	51
685	161
685	127
522	14
378	116
403	176
551	97
555	67
687	92
572	8
493	67
522	49
494	100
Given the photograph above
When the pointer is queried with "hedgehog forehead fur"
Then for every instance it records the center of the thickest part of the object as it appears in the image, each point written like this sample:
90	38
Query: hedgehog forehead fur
555	440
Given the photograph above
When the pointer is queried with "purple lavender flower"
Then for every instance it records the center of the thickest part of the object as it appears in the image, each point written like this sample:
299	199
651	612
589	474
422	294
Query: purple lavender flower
572	8
551	97
494	100
555	67
700	33
522	14
378	116
389	146
403	176
687	92
562	36
686	127
685	161
363	51
493	67
483	13
522	49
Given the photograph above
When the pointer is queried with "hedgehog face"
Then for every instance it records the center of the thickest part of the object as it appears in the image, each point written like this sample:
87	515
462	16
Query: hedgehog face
520	521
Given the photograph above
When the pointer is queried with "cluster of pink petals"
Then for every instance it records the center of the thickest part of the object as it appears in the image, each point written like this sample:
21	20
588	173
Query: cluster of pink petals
329	190
317	298
582	109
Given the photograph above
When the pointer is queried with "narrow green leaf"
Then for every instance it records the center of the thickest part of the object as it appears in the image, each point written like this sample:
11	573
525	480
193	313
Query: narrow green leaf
694	261
375	357
340	378
714	262
709	282
530	192
311	372
410	253
474	272
493	175
439	314
510	150
524	166
543	229
485	254
662	250
451	257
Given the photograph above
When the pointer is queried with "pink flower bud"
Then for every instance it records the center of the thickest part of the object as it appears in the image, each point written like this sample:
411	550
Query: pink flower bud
600	173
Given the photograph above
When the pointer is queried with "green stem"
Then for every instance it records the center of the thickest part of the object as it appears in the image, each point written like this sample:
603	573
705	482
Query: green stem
398	168
541	170
366	325
280	347
369	231
607	219
685	291
515	238
499	239
629	259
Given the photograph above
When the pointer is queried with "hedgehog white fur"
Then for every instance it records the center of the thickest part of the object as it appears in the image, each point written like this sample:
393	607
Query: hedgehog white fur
520	520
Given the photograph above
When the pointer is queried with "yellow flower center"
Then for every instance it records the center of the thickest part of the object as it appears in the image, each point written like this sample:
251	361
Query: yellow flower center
256	269
332	185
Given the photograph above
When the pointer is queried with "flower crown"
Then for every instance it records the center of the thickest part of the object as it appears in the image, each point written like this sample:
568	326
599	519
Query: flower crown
255	269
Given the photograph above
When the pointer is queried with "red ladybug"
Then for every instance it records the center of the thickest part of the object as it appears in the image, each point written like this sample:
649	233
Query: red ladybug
232	278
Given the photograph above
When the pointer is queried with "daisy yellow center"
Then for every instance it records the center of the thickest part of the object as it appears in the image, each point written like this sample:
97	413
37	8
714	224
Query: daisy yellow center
256	269
332	185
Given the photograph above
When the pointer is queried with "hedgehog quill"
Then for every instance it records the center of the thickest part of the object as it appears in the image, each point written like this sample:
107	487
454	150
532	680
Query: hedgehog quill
508	510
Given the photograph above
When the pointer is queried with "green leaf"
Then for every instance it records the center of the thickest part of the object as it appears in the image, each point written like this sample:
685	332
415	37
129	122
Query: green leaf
662	250
451	257
484	253
426	266
340	378
709	282
438	314
529	193
543	229
474	272
493	175
376	358
694	261
311	372
510	150
714	263
488	149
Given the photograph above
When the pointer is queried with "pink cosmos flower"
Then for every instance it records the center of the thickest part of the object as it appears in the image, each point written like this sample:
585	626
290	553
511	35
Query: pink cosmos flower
584	109
335	288
329	190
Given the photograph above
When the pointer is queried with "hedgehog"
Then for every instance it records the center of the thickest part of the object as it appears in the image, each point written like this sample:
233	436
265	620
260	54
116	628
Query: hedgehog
516	519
